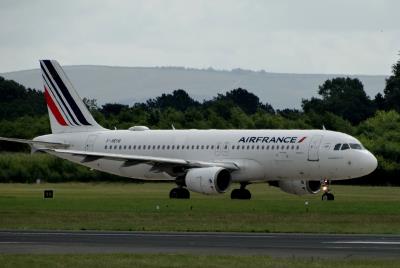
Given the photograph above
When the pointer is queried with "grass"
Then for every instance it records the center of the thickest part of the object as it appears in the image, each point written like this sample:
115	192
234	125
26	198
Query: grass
172	260
146	207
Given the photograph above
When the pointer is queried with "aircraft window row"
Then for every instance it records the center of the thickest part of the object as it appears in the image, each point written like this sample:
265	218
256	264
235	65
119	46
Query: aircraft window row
346	146
201	147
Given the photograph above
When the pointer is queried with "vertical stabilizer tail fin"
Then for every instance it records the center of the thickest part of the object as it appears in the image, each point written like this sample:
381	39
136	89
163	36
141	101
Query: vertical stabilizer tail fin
66	109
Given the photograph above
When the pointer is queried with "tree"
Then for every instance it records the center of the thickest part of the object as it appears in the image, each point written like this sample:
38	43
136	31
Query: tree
247	101
392	89
112	109
179	100
17	101
344	97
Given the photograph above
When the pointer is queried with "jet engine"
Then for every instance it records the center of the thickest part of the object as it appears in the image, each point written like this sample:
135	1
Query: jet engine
209	180
300	187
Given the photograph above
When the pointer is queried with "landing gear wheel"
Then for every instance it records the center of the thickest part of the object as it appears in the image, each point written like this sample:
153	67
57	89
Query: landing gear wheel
328	197
242	194
179	193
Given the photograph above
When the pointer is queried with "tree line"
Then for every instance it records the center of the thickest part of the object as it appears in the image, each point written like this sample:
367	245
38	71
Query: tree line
341	105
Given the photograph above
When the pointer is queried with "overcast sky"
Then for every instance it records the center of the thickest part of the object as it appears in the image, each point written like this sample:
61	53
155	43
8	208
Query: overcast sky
308	36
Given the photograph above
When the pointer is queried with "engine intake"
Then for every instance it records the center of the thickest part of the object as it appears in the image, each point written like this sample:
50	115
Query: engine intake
210	180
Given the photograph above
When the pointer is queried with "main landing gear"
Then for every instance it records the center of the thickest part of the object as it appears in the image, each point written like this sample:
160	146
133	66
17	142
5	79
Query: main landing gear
179	193
327	195
241	193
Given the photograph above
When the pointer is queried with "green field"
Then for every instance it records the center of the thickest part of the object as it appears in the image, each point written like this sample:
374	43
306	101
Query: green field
146	207
172	260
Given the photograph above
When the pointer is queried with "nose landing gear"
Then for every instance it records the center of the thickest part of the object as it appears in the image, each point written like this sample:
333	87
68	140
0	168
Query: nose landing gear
327	195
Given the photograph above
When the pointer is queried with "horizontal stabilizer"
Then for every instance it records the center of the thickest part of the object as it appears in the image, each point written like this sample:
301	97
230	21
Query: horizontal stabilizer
52	145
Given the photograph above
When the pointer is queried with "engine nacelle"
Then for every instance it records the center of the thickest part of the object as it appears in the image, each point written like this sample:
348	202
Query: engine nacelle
209	180
300	187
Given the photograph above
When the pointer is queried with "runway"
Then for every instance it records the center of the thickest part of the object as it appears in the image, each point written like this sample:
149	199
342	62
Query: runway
277	245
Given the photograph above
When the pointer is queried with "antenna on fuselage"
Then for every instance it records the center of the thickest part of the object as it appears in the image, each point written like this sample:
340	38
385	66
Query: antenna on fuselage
172	126
323	127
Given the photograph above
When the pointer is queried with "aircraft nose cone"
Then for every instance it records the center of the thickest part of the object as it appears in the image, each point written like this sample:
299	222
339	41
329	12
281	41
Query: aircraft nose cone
370	162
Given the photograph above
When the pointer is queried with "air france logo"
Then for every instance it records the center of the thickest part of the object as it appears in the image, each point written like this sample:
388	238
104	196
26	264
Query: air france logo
271	139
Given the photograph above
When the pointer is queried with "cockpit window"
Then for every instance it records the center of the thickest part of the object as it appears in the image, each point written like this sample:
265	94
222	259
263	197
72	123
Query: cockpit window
356	146
337	146
345	146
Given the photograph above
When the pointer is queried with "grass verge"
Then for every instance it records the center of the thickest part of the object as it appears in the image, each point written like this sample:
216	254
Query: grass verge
172	260
146	207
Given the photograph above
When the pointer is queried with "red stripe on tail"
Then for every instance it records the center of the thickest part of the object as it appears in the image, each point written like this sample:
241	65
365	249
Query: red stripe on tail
53	108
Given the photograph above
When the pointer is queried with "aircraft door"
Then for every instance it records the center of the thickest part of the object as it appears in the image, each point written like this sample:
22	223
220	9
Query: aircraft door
90	143
313	148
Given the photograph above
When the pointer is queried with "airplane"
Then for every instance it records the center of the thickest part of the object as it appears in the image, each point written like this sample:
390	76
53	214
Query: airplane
203	161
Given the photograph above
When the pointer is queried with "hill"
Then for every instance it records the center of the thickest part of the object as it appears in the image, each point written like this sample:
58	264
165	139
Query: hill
127	85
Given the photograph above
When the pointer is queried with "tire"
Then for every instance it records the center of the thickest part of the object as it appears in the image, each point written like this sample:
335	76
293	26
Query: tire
179	193
328	197
235	194
174	193
241	194
184	193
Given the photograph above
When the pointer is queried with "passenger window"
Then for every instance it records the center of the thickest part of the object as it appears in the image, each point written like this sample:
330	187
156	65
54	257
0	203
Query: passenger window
345	146
105	147
173	147
252	147
337	146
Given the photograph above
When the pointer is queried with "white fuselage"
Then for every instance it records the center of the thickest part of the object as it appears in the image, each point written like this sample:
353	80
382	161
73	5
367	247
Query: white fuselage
262	155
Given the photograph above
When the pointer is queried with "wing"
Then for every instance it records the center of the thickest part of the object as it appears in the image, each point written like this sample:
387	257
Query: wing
136	159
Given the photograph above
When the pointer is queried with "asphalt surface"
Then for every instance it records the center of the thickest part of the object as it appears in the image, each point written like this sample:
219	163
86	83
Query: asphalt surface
278	245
